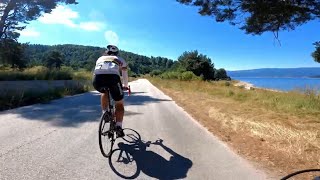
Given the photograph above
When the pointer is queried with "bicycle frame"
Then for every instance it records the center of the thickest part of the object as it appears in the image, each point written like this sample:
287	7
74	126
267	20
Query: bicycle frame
108	117
111	103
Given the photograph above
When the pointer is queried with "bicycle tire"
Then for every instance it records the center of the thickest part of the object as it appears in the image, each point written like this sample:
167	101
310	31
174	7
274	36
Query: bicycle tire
300	172
106	136
114	168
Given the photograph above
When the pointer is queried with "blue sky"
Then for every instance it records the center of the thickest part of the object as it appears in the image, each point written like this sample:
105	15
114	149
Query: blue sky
167	28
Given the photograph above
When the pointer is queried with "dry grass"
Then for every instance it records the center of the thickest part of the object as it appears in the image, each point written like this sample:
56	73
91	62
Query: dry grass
279	130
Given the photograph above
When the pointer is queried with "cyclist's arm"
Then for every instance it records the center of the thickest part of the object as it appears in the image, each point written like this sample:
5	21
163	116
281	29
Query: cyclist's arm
125	76
124	70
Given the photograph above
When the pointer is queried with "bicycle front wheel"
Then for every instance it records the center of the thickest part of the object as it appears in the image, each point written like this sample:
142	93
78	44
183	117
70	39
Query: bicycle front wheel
106	136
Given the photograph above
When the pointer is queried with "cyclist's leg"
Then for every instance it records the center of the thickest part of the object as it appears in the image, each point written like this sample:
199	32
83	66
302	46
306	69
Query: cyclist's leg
119	117
119	111
100	81
104	101
117	94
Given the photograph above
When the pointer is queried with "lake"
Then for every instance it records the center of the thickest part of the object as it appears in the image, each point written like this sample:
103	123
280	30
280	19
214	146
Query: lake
284	84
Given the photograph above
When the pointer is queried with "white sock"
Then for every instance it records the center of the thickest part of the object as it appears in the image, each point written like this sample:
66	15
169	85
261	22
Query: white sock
119	124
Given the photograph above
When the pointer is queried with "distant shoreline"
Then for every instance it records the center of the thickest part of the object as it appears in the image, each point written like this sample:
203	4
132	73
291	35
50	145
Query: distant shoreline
300	72
306	77
250	86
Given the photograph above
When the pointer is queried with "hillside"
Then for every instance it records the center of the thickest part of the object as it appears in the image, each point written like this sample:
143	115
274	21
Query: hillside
78	56
277	72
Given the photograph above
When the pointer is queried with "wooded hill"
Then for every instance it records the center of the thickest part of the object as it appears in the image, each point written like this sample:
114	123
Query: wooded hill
78	56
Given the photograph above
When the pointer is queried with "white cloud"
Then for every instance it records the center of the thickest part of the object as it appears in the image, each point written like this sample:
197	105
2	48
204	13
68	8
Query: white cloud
66	16
60	15
29	32
92	26
111	37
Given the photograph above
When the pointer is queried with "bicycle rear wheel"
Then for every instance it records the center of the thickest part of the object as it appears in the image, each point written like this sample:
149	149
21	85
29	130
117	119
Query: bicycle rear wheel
106	134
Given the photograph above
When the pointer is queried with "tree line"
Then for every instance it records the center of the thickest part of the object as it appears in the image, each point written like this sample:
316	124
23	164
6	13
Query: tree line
84	57
77	57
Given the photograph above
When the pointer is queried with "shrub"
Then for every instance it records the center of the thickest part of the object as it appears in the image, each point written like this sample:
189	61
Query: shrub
82	75
230	93
170	75
155	73
187	76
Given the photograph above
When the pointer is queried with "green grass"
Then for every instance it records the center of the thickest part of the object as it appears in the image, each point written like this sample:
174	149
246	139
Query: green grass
305	103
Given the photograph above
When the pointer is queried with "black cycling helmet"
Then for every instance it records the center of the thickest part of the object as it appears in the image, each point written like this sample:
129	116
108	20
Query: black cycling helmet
112	50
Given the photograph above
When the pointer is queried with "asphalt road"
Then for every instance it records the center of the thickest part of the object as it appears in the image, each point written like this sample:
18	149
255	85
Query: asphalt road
59	140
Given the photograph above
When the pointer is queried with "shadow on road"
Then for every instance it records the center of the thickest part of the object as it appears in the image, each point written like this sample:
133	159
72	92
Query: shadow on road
138	99
135	93
74	110
132	157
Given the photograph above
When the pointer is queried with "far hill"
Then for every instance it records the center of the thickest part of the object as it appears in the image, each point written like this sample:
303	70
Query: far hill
78	56
277	72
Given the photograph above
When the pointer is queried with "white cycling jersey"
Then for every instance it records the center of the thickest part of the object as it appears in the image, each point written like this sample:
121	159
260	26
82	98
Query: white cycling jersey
109	65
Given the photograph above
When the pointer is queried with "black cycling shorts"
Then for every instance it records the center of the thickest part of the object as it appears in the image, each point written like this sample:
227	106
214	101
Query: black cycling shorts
111	81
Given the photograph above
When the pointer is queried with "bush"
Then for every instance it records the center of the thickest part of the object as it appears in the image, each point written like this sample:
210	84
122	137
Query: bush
82	75
183	76
230	93
155	73
170	75
187	76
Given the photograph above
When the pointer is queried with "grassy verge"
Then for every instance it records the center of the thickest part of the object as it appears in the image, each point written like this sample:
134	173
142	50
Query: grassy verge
278	130
43	73
10	100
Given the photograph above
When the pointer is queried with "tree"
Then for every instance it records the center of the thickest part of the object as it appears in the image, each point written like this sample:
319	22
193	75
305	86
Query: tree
199	64
169	64
11	53
259	16
316	53
54	59
90	63
221	74
16	13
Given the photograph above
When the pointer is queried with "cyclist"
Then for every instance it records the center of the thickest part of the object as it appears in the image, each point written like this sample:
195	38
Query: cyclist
107	74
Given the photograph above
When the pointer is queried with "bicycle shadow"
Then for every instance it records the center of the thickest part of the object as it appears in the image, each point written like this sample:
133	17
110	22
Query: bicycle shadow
132	157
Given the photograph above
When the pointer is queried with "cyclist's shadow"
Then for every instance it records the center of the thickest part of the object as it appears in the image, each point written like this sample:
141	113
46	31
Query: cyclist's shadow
132	157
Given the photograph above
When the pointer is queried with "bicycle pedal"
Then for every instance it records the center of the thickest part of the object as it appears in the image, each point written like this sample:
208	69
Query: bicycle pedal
110	134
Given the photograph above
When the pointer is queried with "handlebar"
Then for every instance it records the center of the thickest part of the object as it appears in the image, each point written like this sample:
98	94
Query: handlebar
127	89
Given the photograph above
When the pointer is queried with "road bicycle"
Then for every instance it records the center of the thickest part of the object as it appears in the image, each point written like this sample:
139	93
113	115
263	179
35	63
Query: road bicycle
107	126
